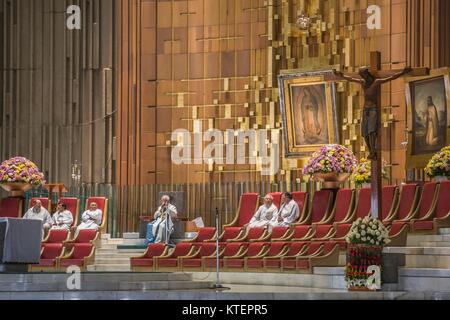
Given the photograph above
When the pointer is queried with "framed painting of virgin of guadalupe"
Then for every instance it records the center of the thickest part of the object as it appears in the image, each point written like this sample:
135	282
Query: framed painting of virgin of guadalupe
308	109
428	100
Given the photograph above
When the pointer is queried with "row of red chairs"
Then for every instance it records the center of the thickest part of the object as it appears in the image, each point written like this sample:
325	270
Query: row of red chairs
58	251
240	257
11	207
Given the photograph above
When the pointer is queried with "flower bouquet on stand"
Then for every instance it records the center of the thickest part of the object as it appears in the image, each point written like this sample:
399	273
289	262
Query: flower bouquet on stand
439	165
362	174
365	246
332	164
18	175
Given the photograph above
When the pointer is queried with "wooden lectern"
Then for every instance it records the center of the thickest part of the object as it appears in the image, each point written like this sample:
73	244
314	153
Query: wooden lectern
54	188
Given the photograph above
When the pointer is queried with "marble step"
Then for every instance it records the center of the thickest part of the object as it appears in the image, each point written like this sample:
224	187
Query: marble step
424	257
108	246
417	240
130	235
444	231
105	236
86	277
107	286
109	268
436	244
133	241
424	279
112	241
112	261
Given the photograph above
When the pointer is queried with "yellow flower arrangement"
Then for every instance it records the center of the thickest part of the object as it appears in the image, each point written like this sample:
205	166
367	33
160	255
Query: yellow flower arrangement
439	165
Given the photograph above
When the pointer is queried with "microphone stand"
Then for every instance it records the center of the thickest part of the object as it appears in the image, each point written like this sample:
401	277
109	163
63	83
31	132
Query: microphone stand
217	286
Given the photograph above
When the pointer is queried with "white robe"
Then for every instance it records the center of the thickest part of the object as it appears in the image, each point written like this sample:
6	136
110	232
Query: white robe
160	228
62	220
42	215
91	220
263	216
288	212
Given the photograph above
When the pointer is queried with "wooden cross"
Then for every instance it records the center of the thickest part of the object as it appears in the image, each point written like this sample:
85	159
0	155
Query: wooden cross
372	92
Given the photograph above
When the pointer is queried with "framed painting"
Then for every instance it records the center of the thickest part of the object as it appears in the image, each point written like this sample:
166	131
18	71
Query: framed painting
308	109
428	116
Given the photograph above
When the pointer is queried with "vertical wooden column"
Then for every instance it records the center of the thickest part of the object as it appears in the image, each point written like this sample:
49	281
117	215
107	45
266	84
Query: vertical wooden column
376	175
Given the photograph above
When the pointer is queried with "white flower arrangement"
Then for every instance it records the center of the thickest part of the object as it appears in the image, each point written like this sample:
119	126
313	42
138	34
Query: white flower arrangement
368	231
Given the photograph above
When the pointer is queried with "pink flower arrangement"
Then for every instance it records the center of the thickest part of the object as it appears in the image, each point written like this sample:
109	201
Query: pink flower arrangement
21	170
331	158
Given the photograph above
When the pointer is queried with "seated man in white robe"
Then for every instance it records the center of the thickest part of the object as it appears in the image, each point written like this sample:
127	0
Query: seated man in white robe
62	218
288	213
264	214
37	212
91	219
161	228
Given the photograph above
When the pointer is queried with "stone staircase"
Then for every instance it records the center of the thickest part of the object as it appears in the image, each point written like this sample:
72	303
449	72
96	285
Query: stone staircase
108	258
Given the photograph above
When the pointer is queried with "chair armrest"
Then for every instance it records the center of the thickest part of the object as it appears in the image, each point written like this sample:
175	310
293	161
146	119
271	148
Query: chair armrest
286	237
90	258
191	254
260	254
69	255
283	253
444	221
329	235
241	253
264	237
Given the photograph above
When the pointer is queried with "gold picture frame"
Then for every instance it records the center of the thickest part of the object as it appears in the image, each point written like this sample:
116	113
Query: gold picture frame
308	110
428	116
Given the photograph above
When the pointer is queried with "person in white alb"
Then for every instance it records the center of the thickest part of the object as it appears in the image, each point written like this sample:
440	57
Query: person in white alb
62	218
264	214
91	218
288	213
37	212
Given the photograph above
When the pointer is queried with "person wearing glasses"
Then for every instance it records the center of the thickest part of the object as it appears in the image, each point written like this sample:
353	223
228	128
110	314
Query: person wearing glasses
264	214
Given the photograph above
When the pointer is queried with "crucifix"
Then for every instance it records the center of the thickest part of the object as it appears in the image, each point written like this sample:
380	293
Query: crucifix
371	80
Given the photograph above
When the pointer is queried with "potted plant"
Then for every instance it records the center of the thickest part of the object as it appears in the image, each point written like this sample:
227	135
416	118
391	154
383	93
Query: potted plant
331	164
439	165
365	246
18	175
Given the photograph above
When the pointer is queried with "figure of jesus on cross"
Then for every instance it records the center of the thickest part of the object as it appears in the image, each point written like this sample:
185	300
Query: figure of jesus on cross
371	80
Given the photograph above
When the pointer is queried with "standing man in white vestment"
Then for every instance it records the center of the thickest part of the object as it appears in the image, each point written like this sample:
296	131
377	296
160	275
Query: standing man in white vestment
264	214
62	218
288	213
37	212
91	219
161	228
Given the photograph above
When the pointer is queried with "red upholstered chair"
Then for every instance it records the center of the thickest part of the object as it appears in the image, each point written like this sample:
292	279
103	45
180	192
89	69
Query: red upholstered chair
343	207
323	232
276	198
11	207
439	217
83	236
407	204
252	234
362	208
232	249
424	205
273	264
81	255
390	203
145	262
194	262
276	234
290	262
237	263
320	208
204	234
327	256
227	234
398	234
56	236
50	254
256	263
73	205
169	262
44	202
298	233
102	204
302	199
248	205
341	233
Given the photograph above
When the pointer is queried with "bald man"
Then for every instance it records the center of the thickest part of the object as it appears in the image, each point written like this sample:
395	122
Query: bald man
161	228
37	212
264	214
